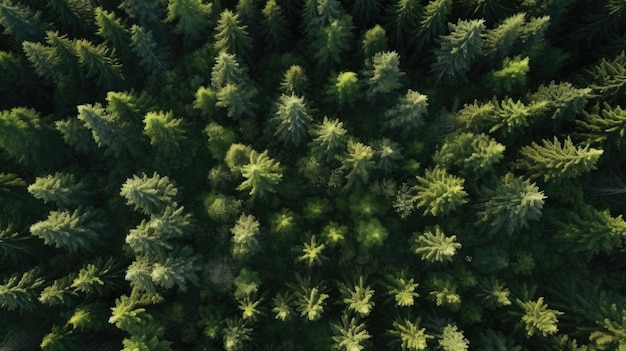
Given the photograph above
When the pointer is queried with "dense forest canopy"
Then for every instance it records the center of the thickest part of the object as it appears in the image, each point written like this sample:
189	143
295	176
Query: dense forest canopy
312	175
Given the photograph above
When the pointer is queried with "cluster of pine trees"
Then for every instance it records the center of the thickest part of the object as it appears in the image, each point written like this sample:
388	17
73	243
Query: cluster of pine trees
312	175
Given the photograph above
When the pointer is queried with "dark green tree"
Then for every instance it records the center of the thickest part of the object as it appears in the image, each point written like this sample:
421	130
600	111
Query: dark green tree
75	231
470	152
61	188
262	174
152	56
149	195
434	246
274	25
457	51
358	162
19	291
439	192
433	21
231	36
21	22
384	76
329	138
293	119
408	113
192	18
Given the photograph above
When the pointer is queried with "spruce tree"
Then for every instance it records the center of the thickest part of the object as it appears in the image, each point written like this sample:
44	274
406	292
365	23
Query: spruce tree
329	138
539	318
408	113
231	36
434	246
350	335
114	32
358	162
409	335
245	241
166	133
275	26
384	76
293	119
555	161
149	195
60	188
75	231
21	22
18	291
433	21
439	192
262	174
457	51
191	17
152	57
470	152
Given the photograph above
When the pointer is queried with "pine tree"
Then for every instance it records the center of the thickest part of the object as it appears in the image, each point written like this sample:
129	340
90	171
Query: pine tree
21	22
350	335
374	41
74	231
245	237
114	32
499	42
409	335
60	188
293	119
434	246
236	334
365	11
154	237
439	192
539	318
470	152
19	291
402	289
149	15
99	63
73	17
20	130
358	161
232	37
604	126
150	195
165	132
494	293
275	26
358	297
107	130
403	18
511	205
329	137
309	298
219	140
237	99
237	156
607	78
191	17
563	98
262	174
345	89
556	161
151	55
175	271
384	76
227	70
457	51
590	231
408	113
333	42
295	82
512	77
371	232
452	339
433	21
97	277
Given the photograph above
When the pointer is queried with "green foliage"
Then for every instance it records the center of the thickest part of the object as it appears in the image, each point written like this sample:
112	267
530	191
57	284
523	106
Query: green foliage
408	113
333	41
312	253
350	335
539	318
309	298
293	119
165	132
21	22
231	36
113	31
470	152
402	289
358	161
99	64
262	174
143	44
566	100
439	192
191	17
384	76
433	21
345	89
107	130
236	334
411	336
500	41
371	233
494	293
274	25
358	297
556	161
608	126
511	205
329	138
512	76
434	246
245	237
295	81
149	195
374	41
19	291
457	51
74	231
452	339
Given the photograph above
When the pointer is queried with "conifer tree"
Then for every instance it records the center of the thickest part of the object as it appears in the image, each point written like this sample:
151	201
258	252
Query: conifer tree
433	21
457	50
21	22
408	113
563	98
237	156
434	246
114	32
107	130
452	339
365	11
409	335
371	233
149	14
236	334
388	153
384	76
500	41
231	36
329	137
312	252
295	82
151	55
556	161
19	129
97	277
293	119
165	132
350	335
18	291
220	139
439	192
345	89
191	17
150	195
511	205
403	17
60	188
275	26
374	41
539	318
245	237
470	152
358	297
309	298
606	125
358	161
237	99
74	231
333	42
402	289
512	77
262	174
99	63
608	77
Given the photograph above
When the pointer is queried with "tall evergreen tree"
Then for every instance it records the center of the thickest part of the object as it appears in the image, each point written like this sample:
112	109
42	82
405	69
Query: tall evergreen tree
18	291
358	161
384	76
191	17
79	230
439	192
150	195
231	36
262	174
293	119
457	51
60	188
21	22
